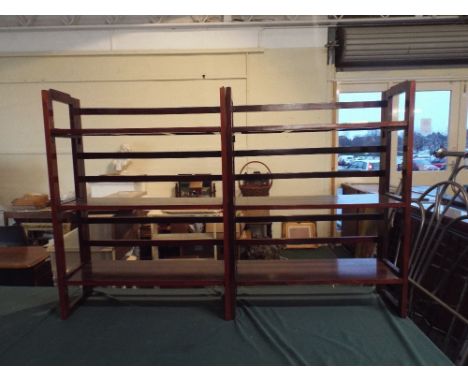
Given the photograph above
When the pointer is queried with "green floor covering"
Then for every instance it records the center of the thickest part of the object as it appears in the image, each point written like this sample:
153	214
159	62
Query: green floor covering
274	326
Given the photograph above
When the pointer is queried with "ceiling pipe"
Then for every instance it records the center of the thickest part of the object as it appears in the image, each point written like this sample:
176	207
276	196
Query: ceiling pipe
315	22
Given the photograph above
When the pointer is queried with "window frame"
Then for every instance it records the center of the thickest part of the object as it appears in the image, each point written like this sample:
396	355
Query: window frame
454	133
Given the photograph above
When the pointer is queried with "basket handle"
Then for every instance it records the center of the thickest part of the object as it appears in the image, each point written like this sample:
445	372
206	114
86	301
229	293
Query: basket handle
270	181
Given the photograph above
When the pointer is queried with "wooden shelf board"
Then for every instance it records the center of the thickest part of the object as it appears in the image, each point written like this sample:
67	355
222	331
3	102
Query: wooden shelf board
318	201
173	272
145	203
319	271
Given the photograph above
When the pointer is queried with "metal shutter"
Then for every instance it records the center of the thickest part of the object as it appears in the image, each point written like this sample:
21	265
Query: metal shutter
401	46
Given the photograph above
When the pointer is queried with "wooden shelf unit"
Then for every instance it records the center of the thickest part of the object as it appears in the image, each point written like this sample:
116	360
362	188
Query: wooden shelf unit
230	272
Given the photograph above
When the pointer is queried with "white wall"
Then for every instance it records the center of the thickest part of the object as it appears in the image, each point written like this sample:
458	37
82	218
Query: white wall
98	68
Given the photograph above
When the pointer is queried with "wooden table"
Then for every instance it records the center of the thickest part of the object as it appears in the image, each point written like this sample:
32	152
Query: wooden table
25	266
30	216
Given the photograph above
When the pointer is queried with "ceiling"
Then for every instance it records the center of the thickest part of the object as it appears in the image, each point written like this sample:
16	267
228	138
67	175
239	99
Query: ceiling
14	22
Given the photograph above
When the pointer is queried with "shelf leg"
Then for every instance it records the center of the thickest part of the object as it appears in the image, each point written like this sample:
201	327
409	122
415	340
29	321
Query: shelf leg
404	300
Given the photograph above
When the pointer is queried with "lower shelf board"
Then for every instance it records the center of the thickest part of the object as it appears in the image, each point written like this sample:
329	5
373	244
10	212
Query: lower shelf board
180	273
319	271
203	272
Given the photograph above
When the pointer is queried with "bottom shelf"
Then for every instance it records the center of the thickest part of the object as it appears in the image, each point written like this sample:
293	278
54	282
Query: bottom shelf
177	273
317	271
201	272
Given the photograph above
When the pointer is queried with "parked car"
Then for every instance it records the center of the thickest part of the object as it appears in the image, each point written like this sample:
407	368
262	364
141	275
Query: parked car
363	165
345	160
421	165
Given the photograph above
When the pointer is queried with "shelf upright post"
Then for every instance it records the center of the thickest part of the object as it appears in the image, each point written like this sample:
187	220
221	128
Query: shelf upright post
54	187
80	187
229	238
407	172
385	166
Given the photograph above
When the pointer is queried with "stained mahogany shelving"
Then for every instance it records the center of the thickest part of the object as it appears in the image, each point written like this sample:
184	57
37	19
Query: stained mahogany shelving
230	272
329	271
316	202
319	271
187	273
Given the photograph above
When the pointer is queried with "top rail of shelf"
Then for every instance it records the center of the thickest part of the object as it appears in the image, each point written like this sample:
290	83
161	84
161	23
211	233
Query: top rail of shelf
309	106
148	110
239	108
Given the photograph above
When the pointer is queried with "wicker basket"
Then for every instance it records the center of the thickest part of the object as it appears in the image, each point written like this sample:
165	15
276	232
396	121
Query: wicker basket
259	187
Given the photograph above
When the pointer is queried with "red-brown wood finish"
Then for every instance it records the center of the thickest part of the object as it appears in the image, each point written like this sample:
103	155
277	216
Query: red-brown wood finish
410	98
80	188
228	204
230	272
54	188
319	271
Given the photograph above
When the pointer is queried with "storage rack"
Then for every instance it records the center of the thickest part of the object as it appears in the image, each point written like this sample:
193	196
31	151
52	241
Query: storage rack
231	272
375	271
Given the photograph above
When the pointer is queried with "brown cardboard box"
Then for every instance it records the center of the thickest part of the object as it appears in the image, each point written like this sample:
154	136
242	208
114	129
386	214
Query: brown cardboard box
218	227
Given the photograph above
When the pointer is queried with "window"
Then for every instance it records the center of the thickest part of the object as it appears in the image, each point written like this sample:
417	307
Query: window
359	137
431	126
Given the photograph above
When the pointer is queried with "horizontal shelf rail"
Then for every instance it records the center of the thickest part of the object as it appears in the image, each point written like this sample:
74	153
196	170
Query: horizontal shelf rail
309	106
307	128
148	178
238	153
148	110
310	151
315	240
180	240
150	219
134	131
314	174
149	155
307	218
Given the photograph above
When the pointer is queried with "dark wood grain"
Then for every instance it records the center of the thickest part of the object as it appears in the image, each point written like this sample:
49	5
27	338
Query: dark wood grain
150	155
311	175
149	110
79	170
310	151
323	127
168	218
308	106
148	178
179	239
237	153
115	204
229	228
54	189
408	138
304	218
315	240
136	131
176	273
319	271
318	202
22	257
